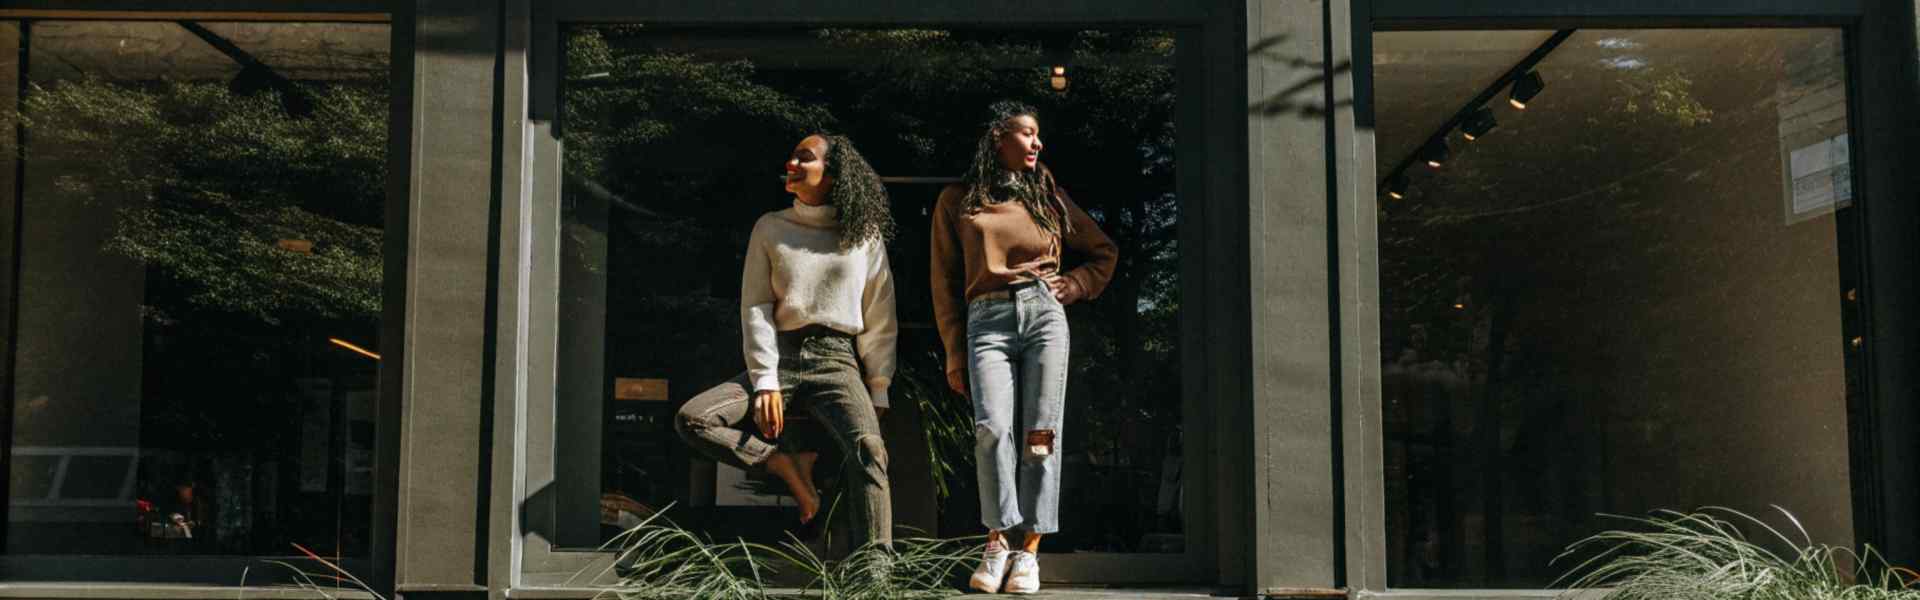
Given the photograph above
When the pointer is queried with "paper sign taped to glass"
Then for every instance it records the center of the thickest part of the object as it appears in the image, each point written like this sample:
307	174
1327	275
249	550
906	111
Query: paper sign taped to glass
1822	178
635	388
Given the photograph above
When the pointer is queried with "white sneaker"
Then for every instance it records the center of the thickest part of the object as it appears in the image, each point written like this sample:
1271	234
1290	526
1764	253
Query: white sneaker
992	569
1023	577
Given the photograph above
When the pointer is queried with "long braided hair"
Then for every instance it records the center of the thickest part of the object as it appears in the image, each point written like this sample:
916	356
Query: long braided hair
858	195
989	182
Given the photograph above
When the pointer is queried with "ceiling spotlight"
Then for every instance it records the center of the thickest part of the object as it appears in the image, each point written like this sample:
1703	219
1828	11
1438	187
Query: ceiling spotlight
1525	88
1397	187
1435	153
1478	124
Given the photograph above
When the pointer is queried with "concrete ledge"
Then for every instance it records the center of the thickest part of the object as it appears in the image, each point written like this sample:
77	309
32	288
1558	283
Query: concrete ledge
155	591
1051	593
1422	594
1285	593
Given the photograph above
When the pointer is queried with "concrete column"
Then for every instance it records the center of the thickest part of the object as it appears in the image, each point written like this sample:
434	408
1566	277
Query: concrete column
439	545
1292	215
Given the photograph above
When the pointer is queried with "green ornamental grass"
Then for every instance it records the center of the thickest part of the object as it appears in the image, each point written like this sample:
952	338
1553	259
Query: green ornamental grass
325	585
1707	554
658	560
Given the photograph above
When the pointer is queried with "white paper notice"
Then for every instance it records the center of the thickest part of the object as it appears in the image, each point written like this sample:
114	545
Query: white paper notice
1842	171
1821	176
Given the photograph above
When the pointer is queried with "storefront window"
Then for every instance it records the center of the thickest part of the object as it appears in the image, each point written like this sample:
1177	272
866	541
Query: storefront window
1624	297
674	142
192	233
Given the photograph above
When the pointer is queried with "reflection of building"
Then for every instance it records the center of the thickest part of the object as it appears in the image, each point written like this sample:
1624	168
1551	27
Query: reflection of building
80	484
1678	277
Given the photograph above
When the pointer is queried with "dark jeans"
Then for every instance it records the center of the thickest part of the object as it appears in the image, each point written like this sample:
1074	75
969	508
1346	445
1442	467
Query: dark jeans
820	373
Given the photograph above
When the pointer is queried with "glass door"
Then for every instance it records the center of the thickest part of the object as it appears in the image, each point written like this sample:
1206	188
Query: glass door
1615	286
670	139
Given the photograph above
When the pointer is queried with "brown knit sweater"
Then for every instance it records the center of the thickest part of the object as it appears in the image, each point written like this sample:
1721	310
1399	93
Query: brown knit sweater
998	246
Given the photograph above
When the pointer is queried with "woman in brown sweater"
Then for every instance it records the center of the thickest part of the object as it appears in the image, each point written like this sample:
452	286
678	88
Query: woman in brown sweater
998	296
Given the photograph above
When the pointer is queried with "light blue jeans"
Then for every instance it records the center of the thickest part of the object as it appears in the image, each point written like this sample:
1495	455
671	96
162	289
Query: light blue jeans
1018	370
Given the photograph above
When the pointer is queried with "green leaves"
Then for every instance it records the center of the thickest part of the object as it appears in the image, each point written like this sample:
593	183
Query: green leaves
945	418
664	107
1666	93
206	184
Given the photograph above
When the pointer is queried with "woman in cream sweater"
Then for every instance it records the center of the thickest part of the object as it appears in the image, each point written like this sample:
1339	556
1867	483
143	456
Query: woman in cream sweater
818	330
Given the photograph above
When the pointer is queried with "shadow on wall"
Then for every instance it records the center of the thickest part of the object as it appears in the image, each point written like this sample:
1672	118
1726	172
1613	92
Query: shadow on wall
1306	98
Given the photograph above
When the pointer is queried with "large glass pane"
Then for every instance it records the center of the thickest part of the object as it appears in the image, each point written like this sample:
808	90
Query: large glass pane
674	139
199	222
1625	297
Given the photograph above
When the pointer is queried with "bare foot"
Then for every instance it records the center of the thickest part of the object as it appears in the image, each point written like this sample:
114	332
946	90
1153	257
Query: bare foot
788	468
810	502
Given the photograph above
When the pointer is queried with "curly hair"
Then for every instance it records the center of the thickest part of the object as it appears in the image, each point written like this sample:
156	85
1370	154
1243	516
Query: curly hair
865	214
988	182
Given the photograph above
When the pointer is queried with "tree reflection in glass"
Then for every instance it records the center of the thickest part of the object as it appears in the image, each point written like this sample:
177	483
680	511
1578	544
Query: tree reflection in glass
665	132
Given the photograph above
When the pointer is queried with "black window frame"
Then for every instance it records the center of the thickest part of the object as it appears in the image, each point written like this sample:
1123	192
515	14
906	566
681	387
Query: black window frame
161	575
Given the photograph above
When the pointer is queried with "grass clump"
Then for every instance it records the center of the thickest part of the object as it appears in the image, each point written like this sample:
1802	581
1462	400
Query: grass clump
325	585
915	568
658	560
1707	554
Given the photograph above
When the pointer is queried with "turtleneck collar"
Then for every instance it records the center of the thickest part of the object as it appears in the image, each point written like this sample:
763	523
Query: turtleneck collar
817	216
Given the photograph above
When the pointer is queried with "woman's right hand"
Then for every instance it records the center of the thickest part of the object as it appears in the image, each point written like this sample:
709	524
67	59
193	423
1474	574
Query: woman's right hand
957	381
769	413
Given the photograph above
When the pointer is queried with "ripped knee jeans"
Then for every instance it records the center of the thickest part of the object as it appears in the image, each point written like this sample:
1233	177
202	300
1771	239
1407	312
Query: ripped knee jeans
1017	342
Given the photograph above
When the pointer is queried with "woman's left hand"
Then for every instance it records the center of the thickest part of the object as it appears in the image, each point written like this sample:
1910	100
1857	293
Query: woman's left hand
1065	289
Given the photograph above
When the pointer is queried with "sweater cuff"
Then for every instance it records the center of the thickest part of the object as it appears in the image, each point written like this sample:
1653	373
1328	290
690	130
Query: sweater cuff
766	382
877	389
1079	277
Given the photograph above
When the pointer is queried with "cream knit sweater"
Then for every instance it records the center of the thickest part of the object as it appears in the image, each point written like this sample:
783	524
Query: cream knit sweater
796	276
